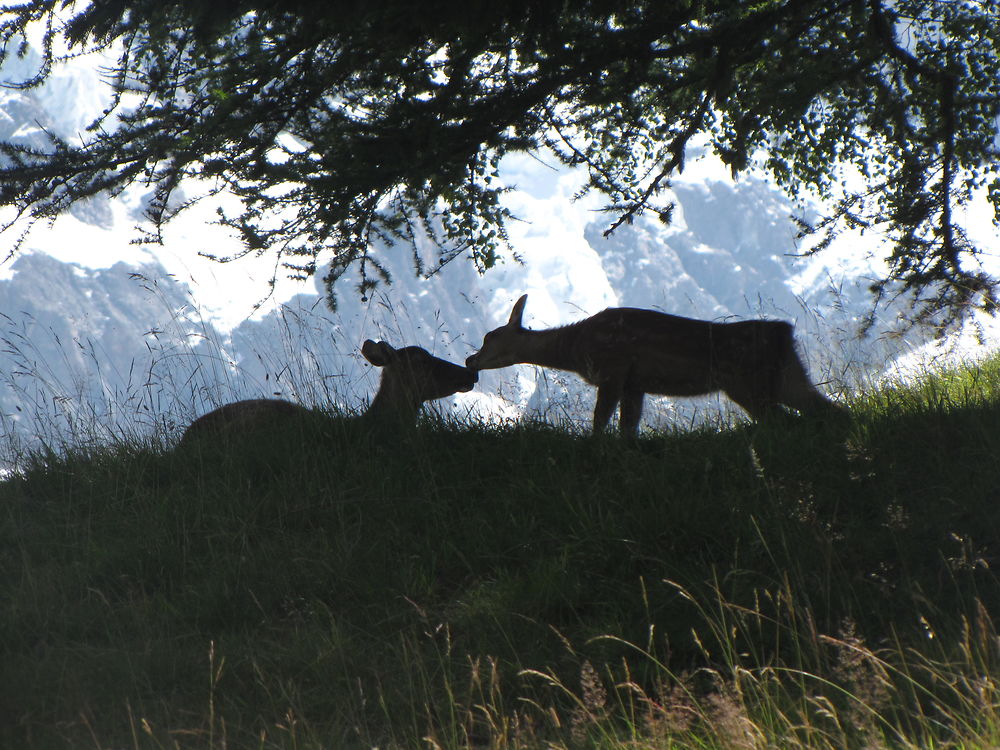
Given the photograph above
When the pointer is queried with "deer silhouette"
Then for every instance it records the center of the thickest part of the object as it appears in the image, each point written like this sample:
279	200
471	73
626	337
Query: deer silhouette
410	376
628	352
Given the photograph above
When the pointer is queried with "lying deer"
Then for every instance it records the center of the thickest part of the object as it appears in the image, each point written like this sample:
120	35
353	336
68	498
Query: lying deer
627	352
410	376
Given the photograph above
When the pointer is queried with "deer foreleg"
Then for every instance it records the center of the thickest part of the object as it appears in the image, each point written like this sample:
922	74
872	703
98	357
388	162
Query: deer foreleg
631	412
607	399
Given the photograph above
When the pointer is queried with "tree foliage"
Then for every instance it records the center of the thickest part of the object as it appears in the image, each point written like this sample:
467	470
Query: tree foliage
336	124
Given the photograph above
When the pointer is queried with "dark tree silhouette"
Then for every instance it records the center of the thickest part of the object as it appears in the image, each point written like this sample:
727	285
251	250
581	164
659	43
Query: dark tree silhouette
335	123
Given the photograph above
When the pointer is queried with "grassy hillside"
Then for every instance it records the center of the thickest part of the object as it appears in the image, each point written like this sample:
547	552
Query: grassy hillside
792	583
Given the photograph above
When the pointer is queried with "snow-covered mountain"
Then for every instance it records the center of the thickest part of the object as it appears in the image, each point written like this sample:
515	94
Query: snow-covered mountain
101	337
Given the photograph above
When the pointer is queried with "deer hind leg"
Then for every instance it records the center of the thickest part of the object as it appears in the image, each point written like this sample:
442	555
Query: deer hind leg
755	404
805	398
631	412
798	392
754	391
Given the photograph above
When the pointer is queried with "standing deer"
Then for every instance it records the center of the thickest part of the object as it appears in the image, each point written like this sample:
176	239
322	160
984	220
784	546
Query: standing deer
410	376
627	352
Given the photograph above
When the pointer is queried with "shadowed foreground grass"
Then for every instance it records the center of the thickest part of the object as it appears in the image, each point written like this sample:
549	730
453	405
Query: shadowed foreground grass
787	584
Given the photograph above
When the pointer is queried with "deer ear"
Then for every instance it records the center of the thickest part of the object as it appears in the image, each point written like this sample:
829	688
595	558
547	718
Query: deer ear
517	312
378	353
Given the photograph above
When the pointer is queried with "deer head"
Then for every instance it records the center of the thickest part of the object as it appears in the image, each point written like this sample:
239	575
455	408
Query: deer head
410	376
502	346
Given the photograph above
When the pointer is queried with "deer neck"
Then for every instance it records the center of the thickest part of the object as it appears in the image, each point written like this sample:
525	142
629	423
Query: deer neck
552	347
388	407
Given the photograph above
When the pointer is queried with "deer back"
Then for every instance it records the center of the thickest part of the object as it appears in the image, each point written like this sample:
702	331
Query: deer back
671	354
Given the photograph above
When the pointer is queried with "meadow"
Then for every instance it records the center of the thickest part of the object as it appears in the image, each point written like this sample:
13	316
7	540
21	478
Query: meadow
795	583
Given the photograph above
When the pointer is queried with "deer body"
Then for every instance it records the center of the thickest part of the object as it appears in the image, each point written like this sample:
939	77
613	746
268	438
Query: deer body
628	352
410	376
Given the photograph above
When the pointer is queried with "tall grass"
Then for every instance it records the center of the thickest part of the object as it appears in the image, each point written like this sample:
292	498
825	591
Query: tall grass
64	389
790	584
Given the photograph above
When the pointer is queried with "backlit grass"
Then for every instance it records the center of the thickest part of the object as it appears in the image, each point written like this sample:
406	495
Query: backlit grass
791	584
